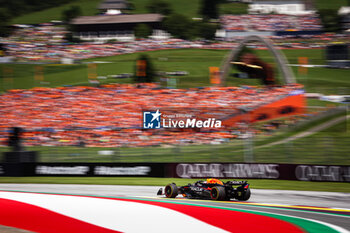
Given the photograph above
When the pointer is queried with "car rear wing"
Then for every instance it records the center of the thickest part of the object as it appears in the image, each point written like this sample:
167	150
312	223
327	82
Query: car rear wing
234	182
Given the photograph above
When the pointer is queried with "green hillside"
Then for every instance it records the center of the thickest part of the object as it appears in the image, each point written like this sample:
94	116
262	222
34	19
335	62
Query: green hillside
88	7
188	8
326	4
191	8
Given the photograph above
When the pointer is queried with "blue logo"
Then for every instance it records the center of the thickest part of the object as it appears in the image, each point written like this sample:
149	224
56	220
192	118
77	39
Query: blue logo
151	120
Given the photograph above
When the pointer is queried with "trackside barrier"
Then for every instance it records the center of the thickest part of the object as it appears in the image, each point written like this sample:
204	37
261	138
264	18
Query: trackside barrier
83	169
302	172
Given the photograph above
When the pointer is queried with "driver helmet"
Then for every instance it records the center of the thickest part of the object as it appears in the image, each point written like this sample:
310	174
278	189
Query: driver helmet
214	181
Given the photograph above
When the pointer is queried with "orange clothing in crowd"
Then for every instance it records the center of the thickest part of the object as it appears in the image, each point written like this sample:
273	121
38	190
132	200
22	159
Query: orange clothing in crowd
111	115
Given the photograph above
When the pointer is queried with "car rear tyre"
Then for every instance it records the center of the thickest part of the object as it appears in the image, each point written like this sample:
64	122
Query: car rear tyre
218	193
244	196
171	191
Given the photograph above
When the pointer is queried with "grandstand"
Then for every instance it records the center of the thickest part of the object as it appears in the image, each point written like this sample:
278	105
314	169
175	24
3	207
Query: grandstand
287	7
270	25
344	13
118	27
114	24
110	116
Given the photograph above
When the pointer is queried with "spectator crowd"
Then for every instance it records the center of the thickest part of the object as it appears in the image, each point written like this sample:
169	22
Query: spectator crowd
111	115
47	42
270	23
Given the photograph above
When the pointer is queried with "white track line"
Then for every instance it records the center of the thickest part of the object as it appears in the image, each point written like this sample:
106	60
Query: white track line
114	214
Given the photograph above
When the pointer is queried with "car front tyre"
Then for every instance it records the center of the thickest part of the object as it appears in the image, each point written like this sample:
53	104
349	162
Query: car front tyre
171	191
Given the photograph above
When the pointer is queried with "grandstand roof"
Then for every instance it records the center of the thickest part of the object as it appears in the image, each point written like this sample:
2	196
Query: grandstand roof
309	4
113	4
113	19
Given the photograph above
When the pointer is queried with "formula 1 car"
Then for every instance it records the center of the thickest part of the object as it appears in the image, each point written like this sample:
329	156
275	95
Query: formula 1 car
211	189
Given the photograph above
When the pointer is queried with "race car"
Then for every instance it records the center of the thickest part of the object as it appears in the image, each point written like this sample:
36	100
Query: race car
211	189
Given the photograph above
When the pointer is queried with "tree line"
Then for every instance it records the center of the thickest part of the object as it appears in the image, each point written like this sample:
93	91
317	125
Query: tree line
181	26
14	8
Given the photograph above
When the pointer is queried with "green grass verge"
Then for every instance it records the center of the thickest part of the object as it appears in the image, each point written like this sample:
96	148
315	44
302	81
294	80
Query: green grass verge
255	183
282	134
194	61
329	146
321	103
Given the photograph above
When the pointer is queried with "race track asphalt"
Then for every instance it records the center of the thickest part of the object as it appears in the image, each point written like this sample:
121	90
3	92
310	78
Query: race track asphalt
335	207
